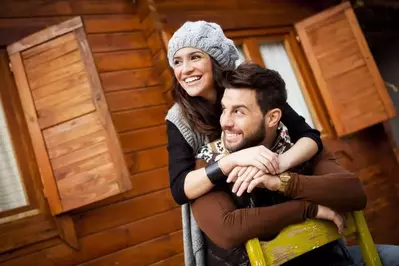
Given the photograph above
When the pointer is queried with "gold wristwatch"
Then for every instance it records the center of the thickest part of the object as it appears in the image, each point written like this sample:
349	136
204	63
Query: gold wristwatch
284	178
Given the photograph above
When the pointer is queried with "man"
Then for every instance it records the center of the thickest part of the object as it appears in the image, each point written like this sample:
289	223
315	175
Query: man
252	105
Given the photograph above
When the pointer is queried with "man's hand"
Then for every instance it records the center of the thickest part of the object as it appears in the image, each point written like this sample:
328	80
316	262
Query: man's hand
326	213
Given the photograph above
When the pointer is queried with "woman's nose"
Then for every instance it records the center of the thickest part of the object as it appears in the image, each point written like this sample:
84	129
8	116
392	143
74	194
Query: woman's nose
187	67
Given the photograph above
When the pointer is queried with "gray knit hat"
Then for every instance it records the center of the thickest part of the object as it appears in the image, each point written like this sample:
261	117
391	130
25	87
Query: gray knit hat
206	36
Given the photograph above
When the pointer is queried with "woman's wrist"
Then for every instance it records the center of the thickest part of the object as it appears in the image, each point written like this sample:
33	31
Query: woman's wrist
285	162
227	164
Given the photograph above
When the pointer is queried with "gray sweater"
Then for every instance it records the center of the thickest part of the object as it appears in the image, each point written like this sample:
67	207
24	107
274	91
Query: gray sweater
193	239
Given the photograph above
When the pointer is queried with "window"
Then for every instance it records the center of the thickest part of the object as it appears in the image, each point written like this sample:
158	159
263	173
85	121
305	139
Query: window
12	191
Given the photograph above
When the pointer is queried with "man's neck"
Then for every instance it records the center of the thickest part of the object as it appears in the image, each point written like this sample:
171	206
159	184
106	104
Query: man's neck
270	139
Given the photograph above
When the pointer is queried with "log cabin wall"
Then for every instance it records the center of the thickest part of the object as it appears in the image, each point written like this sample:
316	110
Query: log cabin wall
143	226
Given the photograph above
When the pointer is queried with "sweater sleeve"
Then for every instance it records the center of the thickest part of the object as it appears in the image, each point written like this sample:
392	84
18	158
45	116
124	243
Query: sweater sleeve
229	227
330	185
181	162
298	128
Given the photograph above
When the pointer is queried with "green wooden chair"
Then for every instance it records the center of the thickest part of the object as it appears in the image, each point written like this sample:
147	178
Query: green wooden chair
298	239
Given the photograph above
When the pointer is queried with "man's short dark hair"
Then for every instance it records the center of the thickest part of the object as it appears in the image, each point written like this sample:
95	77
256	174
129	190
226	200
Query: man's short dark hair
268	84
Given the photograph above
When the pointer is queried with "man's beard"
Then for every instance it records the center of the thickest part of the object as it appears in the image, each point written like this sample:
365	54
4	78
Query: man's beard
252	140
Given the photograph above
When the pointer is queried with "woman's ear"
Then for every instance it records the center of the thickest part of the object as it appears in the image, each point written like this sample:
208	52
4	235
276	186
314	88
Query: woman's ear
273	117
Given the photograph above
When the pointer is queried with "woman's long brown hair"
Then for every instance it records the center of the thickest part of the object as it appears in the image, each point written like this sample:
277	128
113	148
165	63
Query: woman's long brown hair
202	115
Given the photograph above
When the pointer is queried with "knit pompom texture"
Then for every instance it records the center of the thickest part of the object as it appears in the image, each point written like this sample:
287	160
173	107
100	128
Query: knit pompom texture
205	36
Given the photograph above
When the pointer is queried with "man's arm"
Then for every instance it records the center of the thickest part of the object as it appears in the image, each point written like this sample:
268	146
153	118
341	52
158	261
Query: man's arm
330	185
228	227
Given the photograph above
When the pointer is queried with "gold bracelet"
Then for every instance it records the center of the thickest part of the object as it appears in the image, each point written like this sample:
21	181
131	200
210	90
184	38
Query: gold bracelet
284	178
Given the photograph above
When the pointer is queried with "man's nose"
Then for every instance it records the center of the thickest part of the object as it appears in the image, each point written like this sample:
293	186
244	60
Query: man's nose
226	121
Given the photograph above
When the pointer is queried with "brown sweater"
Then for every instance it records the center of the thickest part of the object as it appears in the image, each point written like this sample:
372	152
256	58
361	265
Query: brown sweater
331	186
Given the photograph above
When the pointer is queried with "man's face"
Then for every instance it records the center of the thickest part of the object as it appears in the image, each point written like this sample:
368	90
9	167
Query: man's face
242	121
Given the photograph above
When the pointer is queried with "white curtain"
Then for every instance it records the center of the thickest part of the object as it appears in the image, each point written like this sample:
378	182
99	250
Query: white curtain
241	56
12	194
275	57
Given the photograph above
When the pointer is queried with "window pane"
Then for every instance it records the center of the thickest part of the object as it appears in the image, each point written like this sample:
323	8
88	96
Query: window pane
241	56
275	57
12	194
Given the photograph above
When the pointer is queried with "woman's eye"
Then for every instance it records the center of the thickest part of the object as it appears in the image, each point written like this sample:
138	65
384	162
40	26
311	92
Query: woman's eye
176	62
195	57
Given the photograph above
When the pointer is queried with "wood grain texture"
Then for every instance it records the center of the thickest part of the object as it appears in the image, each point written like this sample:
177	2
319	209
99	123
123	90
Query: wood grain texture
121	212
138	98
144	160
139	118
143	139
143	254
129	79
108	42
106	62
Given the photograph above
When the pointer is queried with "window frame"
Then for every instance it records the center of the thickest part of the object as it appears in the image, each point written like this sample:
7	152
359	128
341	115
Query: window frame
250	41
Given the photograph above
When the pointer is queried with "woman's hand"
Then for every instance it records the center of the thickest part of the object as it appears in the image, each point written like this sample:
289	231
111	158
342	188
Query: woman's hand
259	157
242	177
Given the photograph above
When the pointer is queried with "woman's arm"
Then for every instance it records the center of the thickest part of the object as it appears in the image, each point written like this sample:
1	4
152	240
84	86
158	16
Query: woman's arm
185	182
307	140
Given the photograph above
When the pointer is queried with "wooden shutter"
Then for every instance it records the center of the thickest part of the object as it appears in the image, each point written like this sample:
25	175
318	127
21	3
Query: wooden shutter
75	143
348	78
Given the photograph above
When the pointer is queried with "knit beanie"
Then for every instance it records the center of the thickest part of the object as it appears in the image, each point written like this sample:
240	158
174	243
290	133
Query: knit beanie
209	38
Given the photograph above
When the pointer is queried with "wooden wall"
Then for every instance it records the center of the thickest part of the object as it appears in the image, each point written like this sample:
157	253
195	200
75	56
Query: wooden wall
142	226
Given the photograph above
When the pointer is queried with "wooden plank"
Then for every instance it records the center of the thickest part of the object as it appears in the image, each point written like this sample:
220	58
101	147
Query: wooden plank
143	138
109	42
121	212
63	97
57	75
177	260
71	170
69	82
129	79
29	234
111	23
103	112
71	130
36	257
139	118
109	241
79	155
43	162
79	105
123	60
142	183
137	98
144	160
251	50
37	71
38	8
166	246
45	35
48	46
76	144
28	250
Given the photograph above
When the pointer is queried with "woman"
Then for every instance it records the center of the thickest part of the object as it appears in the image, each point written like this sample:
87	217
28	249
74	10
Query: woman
198	53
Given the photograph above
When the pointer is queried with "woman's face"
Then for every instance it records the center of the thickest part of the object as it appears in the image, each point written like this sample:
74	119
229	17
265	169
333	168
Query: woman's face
193	70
